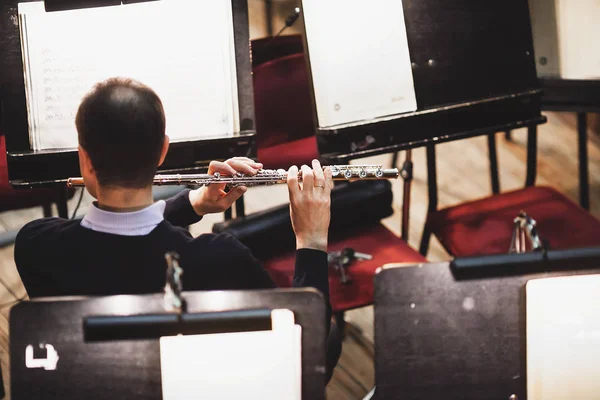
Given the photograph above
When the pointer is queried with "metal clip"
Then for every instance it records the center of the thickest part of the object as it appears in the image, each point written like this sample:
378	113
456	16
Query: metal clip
174	287
525	237
341	260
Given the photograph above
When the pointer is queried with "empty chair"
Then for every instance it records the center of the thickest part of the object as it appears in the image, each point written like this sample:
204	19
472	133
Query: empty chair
357	209
485	226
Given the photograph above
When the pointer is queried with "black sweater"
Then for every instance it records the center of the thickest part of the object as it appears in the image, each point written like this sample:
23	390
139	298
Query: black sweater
59	257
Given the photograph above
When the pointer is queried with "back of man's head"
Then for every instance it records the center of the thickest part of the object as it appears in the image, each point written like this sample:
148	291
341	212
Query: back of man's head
121	126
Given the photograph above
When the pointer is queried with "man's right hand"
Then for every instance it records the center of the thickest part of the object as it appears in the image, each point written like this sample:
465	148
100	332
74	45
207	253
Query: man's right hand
310	205
212	198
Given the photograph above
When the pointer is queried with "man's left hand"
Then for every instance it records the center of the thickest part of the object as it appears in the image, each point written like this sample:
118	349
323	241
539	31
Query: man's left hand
212	198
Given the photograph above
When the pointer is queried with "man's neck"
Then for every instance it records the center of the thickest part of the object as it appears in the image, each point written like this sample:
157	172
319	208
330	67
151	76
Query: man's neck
124	200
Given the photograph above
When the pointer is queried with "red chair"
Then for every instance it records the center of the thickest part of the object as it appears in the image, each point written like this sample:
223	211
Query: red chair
375	239
485	226
284	114
356	211
16	199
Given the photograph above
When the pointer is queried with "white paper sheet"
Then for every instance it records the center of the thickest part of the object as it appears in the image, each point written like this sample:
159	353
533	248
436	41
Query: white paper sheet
577	20
559	28
183	49
563	338
359	58
247	365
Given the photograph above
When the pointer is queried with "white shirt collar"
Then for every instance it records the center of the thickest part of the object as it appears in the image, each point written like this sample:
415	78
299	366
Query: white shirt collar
137	223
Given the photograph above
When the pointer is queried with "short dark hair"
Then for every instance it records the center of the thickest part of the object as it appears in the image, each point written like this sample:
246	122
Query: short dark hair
121	125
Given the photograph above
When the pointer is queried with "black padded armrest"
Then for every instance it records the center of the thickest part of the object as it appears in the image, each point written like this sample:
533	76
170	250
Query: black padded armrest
353	205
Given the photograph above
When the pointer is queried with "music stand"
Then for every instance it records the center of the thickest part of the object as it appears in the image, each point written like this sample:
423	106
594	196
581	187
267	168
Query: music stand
474	74
28	168
119	357
470	77
438	336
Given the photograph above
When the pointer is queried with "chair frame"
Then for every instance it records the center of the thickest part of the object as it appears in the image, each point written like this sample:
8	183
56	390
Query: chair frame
61	205
8	238
495	182
582	126
580	96
531	174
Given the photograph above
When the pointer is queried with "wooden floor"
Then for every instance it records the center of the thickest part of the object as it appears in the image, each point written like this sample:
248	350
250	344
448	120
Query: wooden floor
463	174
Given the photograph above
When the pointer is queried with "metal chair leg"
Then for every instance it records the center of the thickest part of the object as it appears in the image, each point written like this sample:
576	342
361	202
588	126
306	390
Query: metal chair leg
395	160
240	209
47	210
61	204
433	198
340	323
584	182
425	238
334	343
2	390
269	16
531	156
508	135
407	175
493	155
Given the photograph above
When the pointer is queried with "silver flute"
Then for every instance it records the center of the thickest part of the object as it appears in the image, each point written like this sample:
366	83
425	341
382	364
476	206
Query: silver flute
266	176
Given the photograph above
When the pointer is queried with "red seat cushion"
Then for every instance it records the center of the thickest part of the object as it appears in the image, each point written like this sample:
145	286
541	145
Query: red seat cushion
284	155
14	199
377	240
485	226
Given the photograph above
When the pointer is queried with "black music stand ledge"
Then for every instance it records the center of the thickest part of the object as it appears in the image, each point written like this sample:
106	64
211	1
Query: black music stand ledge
29	168
108	347
456	331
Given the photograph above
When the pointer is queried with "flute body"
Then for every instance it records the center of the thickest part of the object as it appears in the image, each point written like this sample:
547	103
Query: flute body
265	176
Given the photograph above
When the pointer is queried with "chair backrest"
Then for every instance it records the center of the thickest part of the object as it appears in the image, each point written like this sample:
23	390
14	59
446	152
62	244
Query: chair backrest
282	101
271	48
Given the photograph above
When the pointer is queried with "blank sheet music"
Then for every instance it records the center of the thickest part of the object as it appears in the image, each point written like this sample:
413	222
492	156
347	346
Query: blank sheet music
359	59
265	365
563	338
183	49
